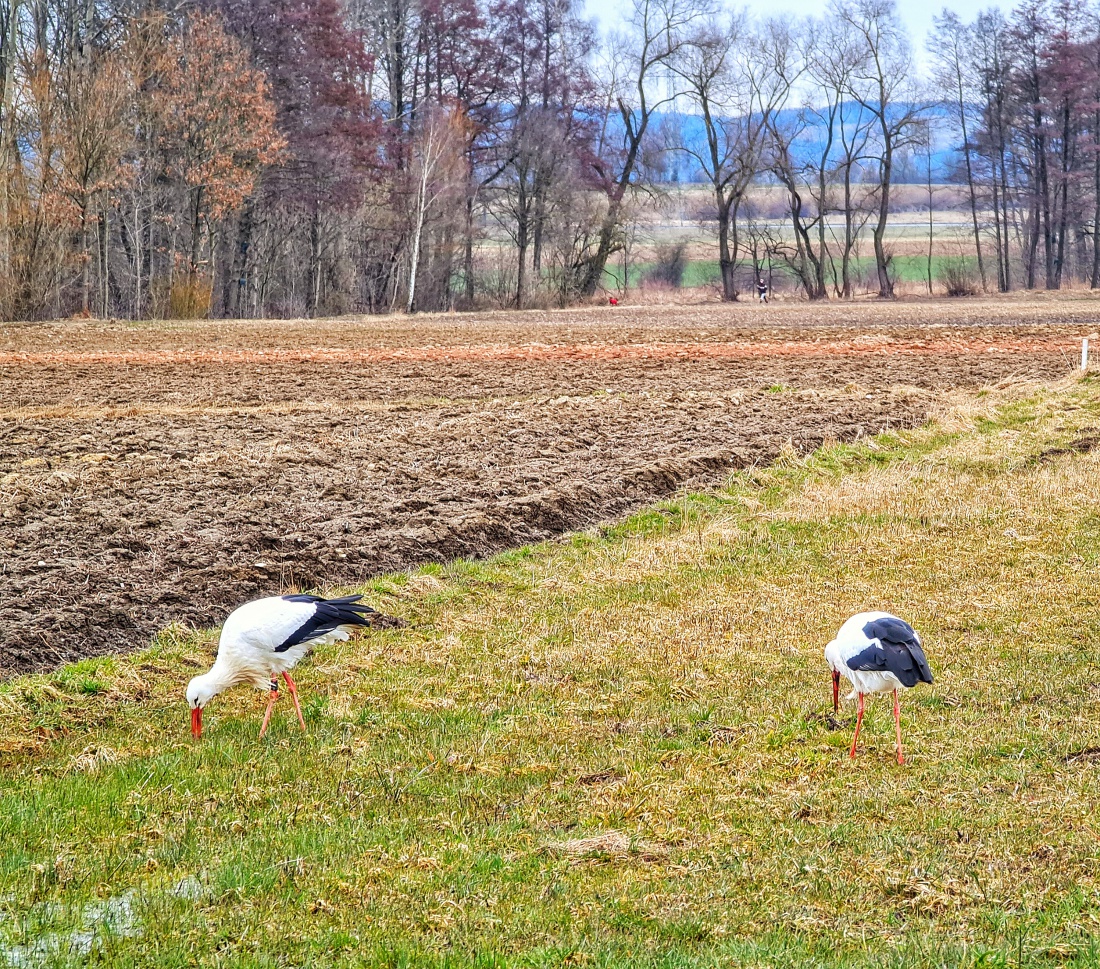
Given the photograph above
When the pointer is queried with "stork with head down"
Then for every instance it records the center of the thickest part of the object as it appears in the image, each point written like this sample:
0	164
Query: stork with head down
265	639
877	653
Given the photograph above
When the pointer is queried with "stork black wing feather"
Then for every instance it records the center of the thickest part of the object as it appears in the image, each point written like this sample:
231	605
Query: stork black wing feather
328	615
898	651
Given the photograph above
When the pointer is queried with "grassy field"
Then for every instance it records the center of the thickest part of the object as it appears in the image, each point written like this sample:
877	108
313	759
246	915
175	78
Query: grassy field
615	750
706	272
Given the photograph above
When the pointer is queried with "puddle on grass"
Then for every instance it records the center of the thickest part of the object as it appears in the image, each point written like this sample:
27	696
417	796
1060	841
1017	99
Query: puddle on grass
114	917
189	888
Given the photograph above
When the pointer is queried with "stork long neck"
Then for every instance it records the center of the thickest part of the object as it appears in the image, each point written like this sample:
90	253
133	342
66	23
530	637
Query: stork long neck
223	674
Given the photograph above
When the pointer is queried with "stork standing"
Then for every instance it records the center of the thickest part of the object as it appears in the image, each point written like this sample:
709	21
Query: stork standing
265	639
877	653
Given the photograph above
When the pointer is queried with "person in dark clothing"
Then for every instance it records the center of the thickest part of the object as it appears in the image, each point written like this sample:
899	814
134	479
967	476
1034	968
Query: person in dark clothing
762	290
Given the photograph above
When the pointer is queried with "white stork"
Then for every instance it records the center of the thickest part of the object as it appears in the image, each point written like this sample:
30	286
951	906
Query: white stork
266	638
877	653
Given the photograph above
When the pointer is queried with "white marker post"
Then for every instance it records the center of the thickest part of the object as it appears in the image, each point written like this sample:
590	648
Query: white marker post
1085	353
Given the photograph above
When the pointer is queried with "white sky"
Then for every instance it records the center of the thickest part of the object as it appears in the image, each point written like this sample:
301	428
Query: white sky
916	14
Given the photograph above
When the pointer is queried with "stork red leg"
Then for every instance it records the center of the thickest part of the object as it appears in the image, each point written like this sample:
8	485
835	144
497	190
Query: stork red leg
270	705
859	721
294	696
897	726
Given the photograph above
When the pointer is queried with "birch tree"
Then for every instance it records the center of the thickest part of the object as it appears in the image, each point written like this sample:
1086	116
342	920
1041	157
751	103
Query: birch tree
438	174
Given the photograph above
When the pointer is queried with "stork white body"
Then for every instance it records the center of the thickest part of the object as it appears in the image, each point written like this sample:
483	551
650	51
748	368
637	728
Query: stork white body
251	636
850	642
265	639
877	653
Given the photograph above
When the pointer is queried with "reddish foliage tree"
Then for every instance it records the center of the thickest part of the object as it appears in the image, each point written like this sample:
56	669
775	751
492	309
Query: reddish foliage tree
315	67
217	124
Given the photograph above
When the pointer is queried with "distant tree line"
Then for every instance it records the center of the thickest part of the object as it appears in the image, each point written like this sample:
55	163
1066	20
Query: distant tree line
1024	93
307	157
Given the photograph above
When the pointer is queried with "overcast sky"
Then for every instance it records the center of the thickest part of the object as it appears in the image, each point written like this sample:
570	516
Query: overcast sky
916	14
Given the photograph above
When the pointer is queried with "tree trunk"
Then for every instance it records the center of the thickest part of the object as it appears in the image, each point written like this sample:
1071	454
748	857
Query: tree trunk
822	202
7	139
1004	208
129	249
885	284
468	255
1045	213
236	290
805	250
541	181
849	234
313	292
1063	206
196	238
822	210
1094	280
725	261
522	238
997	228
104	265
970	180
86	259
421	205
593	266
930	225
1033	241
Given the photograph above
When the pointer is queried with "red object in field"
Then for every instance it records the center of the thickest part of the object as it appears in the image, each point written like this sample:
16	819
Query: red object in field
613	301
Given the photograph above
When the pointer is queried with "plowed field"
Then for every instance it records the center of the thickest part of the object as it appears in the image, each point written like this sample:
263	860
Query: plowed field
160	472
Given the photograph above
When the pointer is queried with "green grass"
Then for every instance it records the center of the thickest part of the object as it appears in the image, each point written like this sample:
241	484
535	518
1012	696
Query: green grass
612	750
705	272
697	272
914	269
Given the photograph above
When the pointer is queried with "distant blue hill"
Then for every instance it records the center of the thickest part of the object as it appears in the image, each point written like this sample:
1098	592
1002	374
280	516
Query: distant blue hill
910	166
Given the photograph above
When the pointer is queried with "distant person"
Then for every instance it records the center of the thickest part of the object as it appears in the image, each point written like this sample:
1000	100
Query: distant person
612	301
762	290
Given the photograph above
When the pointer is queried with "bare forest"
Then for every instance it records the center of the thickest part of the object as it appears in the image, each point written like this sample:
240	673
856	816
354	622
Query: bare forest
289	158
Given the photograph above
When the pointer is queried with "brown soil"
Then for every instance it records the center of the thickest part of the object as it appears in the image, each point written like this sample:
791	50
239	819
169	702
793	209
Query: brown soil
543	352
161	473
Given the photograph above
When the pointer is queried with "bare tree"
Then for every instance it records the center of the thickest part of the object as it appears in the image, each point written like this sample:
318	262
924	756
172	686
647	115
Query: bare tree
1092	53
9	30
739	78
882	83
803	171
438	171
637	68
989	53
950	45
94	106
838	165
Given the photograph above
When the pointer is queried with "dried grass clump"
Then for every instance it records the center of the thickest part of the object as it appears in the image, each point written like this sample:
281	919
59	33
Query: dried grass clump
92	758
611	845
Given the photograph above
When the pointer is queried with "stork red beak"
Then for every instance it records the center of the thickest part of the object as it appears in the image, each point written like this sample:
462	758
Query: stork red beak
196	722
836	691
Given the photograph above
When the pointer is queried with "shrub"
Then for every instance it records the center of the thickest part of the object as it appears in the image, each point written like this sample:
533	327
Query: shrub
669	267
189	300
958	277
